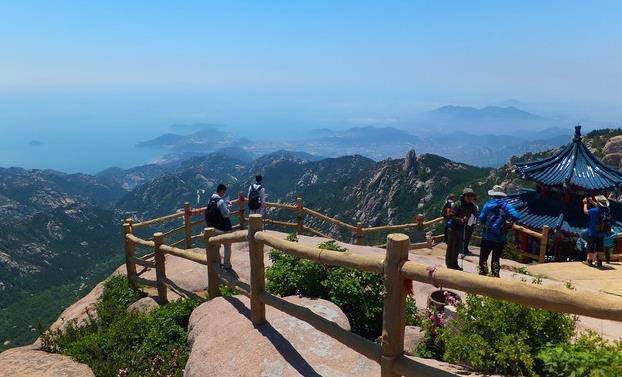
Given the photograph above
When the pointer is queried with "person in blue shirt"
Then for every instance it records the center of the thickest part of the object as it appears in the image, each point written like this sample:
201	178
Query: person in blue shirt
597	209
494	218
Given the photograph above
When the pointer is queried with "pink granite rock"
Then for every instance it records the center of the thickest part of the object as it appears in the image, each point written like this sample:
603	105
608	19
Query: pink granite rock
225	343
25	361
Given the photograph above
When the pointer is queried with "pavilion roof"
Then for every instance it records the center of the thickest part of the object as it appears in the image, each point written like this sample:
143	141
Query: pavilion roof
575	167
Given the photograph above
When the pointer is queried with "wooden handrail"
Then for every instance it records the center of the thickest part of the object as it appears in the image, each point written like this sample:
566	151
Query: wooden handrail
328	219
370	263
158	220
290	207
142	262
186	254
231	237
401	226
281	223
316	232
139	241
555	298
527	231
393	265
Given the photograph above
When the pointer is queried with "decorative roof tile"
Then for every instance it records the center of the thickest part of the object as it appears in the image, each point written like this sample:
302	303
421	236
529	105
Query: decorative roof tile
575	167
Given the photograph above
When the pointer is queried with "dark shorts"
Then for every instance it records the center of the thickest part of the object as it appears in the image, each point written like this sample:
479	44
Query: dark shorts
595	244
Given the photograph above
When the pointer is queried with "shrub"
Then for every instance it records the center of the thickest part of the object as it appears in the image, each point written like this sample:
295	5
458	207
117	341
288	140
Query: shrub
289	275
117	343
359	294
496	336
589	356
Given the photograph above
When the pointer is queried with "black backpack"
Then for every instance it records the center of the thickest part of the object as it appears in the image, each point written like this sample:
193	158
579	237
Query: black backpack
213	217
604	221
254	202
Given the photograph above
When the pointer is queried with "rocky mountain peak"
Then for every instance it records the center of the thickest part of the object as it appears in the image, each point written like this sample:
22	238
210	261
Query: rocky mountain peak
410	161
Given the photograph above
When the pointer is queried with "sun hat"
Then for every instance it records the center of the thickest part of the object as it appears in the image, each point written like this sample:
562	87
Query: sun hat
497	191
468	191
602	201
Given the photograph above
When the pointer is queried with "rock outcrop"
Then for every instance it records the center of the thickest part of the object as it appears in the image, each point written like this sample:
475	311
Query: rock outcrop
612	152
225	343
26	361
143	306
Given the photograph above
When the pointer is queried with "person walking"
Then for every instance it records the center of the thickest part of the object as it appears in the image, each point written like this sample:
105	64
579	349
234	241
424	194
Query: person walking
460	212
217	217
599	225
494	219
256	196
445	212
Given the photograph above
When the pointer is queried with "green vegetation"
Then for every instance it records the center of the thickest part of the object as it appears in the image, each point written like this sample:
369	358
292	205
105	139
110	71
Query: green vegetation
115	343
357	293
494	336
33	309
589	356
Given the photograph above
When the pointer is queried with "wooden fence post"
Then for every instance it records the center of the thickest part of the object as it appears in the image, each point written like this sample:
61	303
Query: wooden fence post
258	278
299	223
130	251
544	241
359	234
212	252
187	225
394	306
158	240
241	201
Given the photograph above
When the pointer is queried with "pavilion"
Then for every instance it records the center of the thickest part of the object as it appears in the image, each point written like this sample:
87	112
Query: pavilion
562	181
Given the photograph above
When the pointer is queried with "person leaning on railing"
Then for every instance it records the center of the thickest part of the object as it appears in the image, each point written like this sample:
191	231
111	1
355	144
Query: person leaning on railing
217	215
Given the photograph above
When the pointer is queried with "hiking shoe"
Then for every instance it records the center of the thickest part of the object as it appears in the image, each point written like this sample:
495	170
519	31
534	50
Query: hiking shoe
599	264
588	263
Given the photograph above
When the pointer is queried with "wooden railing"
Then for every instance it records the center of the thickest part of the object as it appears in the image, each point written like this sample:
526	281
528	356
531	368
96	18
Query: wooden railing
393	265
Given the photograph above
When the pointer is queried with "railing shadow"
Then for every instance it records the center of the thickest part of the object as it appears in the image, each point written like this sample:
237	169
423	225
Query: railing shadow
282	345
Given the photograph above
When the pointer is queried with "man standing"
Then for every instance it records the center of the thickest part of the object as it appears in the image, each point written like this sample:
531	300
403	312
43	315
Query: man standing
217	216
494	218
256	196
460	212
446	211
599	225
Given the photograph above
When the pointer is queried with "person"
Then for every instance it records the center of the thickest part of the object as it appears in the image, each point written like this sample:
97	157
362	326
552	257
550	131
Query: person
451	198
609	244
581	246
256	196
599	225
468	230
494	219
460	211
217	216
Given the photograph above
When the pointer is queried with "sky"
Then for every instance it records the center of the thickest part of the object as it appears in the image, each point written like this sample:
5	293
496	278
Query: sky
76	71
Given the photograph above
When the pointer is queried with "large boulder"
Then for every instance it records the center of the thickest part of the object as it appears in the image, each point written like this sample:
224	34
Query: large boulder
224	343
143	306
613	145
26	361
413	336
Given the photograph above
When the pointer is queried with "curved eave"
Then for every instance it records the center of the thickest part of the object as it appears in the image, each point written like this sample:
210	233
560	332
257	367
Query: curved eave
574	166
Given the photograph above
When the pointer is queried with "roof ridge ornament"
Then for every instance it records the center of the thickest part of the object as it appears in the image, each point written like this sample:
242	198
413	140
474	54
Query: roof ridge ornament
577	133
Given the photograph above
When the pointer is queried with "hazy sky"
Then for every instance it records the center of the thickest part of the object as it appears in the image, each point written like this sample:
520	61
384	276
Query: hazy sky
275	64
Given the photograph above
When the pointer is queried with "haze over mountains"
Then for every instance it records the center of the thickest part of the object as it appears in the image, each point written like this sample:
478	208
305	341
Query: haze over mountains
483	137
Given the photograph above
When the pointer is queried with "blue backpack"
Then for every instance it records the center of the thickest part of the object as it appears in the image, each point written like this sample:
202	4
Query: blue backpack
495	222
